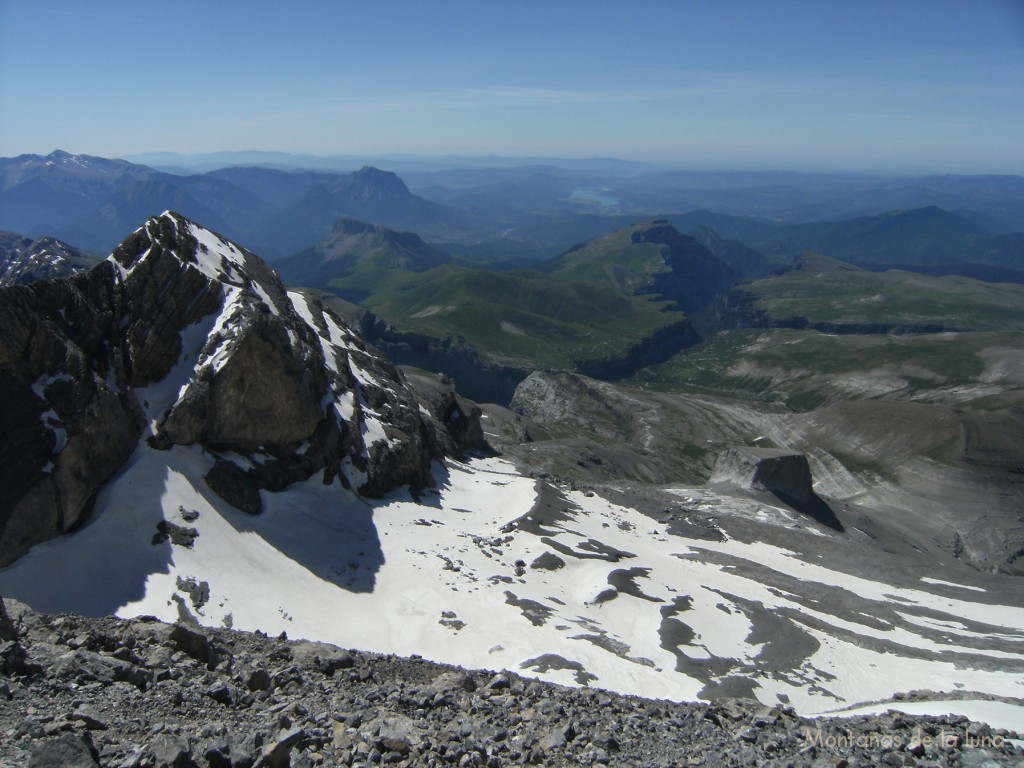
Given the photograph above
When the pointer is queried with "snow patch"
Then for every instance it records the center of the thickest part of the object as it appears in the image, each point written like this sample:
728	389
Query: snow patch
929	580
998	714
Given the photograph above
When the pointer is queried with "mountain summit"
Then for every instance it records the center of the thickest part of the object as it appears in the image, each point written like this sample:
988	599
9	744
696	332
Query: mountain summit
181	338
357	257
372	183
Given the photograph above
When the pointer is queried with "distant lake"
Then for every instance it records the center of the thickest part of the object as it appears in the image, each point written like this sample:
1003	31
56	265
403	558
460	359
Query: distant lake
597	196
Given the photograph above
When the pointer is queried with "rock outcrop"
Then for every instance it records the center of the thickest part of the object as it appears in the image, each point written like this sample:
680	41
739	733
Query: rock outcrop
784	474
182	338
694	277
766	469
482	380
70	422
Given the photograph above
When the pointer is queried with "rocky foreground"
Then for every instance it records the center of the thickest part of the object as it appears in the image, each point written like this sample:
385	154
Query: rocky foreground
79	692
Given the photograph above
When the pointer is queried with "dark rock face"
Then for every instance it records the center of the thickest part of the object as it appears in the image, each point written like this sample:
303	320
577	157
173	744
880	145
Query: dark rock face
695	275
7	629
137	692
460	417
70	421
183	338
483	381
651	350
235	487
738	309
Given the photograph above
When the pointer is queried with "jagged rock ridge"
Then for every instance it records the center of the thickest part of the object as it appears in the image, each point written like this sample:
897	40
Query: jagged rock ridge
182	337
24	260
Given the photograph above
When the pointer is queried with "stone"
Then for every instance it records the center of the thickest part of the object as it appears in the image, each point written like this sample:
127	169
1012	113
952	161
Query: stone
88	666
88	717
765	469
548	561
235	486
452	682
221	692
171	751
278	754
498	682
326	659
784	474
916	747
67	751
259	680
193	643
178	535
554	739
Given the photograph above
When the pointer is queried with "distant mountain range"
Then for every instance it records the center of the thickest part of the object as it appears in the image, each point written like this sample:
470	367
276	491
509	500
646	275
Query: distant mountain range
925	239
92	201
517	215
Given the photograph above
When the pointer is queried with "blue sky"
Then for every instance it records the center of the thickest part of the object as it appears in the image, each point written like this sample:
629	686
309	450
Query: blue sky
901	86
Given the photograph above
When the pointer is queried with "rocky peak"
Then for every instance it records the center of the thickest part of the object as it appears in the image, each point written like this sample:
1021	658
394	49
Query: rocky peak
346	227
183	338
373	183
695	275
23	260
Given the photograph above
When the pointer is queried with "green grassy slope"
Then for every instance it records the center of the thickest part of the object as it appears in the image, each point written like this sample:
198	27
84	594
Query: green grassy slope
823	290
356	257
595	303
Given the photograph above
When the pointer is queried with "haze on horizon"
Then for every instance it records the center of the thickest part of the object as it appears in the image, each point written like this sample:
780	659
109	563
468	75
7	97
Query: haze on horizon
920	86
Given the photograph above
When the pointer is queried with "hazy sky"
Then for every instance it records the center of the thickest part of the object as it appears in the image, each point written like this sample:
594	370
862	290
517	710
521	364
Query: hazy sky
901	85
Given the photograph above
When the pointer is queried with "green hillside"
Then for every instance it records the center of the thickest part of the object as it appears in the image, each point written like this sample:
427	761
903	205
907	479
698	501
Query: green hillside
356	257
519	316
823	290
600	302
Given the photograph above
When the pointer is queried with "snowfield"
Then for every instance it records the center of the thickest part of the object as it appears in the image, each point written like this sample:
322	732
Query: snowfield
635	608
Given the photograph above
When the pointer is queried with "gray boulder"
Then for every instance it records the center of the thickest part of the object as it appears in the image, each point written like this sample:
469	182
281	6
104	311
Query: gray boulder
68	750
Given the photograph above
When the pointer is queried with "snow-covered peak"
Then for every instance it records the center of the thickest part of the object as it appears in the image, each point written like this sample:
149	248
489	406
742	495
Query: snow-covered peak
23	260
171	235
64	158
